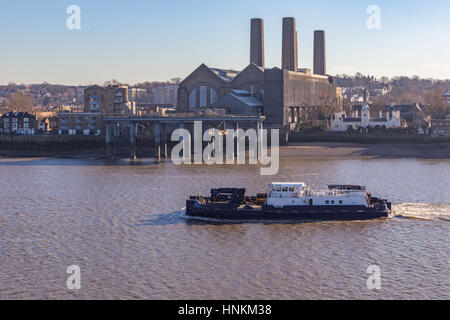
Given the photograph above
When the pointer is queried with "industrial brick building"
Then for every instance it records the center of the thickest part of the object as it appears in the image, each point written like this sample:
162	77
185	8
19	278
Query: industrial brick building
283	93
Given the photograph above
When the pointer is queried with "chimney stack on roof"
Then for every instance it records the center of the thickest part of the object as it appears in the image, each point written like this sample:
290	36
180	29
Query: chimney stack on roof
320	62
257	42
290	48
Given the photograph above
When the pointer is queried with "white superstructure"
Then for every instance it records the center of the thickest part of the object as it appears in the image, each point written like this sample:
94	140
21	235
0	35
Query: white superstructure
282	194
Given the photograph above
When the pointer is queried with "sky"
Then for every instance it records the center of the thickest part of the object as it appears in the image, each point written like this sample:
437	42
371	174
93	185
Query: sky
153	40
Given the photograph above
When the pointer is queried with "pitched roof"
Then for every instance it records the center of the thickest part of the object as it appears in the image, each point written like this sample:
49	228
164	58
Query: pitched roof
226	75
243	96
17	114
221	74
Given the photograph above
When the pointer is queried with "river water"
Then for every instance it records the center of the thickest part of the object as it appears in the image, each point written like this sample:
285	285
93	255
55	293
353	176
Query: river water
120	223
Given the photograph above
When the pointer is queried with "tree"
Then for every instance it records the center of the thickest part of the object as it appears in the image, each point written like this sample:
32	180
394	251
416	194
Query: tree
20	102
328	106
175	81
112	82
435	104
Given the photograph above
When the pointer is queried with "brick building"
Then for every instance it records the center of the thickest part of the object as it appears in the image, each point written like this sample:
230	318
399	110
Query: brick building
99	102
110	100
282	92
80	123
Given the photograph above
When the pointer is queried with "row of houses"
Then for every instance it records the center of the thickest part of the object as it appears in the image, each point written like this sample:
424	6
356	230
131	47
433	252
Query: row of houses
24	123
99	102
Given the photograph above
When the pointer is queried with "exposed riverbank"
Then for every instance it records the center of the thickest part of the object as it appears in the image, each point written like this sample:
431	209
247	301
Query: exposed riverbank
291	151
355	150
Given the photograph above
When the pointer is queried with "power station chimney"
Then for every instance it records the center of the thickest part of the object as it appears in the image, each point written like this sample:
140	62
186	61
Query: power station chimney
320	60
289	59
257	42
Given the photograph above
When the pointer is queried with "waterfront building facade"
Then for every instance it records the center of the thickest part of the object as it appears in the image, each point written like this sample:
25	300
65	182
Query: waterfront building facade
80	123
19	123
440	127
111	100
341	123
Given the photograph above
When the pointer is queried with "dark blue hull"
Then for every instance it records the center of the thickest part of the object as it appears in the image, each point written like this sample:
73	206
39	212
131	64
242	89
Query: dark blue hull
291	213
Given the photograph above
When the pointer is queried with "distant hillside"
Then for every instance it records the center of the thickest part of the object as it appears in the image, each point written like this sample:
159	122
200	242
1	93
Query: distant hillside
49	95
402	90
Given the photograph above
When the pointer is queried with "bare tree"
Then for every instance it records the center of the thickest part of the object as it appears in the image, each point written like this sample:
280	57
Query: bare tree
175	81
328	106
112	82
435	104
20	102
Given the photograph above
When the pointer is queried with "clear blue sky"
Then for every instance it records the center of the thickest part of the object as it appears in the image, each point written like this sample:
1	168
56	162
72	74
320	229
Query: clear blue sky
145	40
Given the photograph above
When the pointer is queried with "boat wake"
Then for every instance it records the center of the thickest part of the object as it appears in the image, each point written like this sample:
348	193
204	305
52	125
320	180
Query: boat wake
418	211
422	211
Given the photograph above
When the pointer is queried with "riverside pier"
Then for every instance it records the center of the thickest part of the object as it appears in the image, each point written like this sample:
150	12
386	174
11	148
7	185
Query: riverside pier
160	129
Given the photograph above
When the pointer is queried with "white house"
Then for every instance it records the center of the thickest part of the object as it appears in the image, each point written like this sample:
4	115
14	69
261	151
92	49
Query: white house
340	122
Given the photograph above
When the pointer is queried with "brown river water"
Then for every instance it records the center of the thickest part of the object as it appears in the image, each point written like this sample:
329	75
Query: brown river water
120	223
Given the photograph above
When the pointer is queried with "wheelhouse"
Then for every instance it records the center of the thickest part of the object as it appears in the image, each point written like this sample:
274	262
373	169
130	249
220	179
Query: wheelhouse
286	190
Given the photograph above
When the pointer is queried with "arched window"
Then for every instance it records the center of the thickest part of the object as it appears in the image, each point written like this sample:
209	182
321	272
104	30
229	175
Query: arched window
193	99
213	96
203	96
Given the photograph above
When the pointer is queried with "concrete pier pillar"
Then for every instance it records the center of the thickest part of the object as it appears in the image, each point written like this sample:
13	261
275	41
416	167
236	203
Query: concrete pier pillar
164	140
133	141
108	138
116	137
157	134
116	130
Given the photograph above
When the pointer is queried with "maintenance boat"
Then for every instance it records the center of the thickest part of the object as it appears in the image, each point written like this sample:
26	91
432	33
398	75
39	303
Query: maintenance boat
289	202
